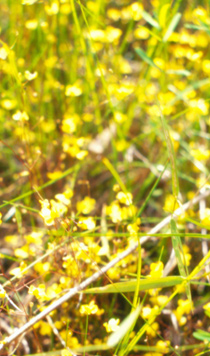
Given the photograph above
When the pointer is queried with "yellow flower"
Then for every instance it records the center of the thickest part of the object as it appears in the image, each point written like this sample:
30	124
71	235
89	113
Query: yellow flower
0	218
8	104
184	307
148	312
51	211
3	53
69	123
38	292
171	203
19	271
30	76
134	228
152	329
2	292
66	353
88	309
156	269
207	307
28	2
124	198
20	116
42	267
112	325
62	199
73	90
22	252
113	34
201	154
206	217
31	24
115	212
53	9
86	205
87	223
45	328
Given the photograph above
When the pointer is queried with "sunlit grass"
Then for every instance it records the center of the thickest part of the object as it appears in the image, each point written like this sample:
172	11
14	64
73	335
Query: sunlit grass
104	120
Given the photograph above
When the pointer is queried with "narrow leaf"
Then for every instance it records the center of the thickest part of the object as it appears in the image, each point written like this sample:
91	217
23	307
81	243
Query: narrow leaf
130	286
174	22
183	72
148	18
123	328
146	59
179	253
175	181
115	174
202	335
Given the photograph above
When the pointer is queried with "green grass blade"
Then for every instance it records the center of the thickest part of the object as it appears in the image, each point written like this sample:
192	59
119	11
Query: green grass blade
177	245
146	58
148	18
171	153
130	286
123	328
63	175
115	174
151	191
183	72
174	22
193	86
202	335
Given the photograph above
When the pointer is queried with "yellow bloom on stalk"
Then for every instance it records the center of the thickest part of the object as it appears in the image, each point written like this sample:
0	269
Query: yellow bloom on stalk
69	123
206	217
28	2
73	90
134	228
53	8
31	24
112	325
148	312
206	307
187	256
119	117
8	104
38	292
66	353
113	34
156	269
124	198
19	271
3	53
20	116
0	218
115	212
54	175
184	307
152	329
86	205
171	203
22	252
141	33
42	268
51	210
87	223
30	76
201	154
62	199
88	309
113	14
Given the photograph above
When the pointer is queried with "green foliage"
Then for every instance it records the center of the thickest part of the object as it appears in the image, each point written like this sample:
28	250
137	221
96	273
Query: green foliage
104	127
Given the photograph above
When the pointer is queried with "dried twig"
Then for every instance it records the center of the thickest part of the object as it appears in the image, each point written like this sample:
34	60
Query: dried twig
72	292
